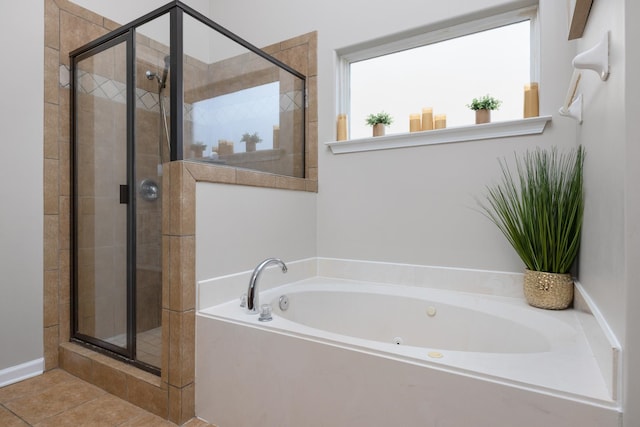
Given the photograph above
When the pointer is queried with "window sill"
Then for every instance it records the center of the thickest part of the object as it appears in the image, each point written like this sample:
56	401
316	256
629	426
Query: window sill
530	126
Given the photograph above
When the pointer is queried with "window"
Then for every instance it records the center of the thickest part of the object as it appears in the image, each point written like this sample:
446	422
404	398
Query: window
443	70
242	108
228	117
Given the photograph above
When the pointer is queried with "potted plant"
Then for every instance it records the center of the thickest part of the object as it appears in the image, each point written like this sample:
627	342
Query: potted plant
379	121
483	106
539	210
198	148
251	140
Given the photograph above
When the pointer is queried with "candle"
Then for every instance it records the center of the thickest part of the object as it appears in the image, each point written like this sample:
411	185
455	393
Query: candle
342	127
440	121
225	147
276	137
531	104
427	118
414	123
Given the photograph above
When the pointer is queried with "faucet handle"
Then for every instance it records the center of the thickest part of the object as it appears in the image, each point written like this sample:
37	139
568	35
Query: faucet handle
265	313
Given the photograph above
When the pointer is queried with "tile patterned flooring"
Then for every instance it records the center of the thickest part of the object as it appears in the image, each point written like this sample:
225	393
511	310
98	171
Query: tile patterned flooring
58	399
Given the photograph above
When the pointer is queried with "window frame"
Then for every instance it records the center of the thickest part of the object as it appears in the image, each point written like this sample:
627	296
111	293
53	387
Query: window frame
430	35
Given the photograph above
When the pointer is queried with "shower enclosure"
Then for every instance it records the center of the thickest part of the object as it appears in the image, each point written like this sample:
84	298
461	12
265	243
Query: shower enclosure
172	85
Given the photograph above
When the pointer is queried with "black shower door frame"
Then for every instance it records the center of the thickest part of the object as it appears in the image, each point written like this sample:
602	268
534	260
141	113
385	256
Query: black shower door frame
127	196
127	33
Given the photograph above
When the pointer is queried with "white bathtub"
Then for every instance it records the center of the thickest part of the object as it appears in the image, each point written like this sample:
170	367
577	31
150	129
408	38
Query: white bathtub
418	318
349	353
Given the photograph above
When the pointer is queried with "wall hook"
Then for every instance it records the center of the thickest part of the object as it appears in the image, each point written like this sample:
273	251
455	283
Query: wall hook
596	58
574	110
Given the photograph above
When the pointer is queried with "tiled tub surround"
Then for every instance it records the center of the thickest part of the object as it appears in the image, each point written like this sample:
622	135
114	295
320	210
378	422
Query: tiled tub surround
330	378
67	27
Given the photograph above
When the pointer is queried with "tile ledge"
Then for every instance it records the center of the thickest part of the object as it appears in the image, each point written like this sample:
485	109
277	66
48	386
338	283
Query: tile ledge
529	126
225	174
118	365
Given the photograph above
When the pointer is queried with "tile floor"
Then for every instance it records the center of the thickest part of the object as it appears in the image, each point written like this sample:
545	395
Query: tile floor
58	399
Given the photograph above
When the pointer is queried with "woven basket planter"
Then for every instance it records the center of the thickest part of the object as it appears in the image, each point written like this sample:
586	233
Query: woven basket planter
548	290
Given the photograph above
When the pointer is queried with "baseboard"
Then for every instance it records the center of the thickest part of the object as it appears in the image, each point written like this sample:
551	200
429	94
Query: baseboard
25	370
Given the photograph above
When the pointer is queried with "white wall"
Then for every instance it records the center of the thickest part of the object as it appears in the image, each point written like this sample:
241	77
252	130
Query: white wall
21	136
632	216
127	11
419	205
611	179
610	245
603	135
237	227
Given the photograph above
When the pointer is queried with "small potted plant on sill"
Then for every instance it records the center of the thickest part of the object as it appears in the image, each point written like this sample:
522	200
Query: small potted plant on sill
483	106
198	148
379	121
251	140
539	210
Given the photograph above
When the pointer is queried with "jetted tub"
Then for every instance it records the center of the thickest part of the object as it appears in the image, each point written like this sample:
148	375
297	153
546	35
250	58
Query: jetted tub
422	320
346	353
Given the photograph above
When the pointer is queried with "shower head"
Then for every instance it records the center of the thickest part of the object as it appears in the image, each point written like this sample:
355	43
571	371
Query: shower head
165	72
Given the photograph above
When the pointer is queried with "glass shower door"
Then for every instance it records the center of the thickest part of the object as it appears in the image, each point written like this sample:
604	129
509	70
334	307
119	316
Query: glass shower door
102	203
152	148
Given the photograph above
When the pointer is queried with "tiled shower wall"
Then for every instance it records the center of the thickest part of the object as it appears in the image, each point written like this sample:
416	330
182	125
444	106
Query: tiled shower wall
68	26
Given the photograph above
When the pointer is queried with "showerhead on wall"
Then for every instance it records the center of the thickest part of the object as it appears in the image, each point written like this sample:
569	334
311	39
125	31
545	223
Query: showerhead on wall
151	75
162	81
165	72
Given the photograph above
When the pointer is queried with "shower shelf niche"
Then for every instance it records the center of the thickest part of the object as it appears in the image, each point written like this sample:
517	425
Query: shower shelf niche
529	126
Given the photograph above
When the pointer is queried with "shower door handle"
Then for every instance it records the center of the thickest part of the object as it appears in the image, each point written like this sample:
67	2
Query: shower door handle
124	194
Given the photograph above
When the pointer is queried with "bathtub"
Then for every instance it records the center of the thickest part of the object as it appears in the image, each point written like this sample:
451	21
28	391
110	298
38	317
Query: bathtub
347	353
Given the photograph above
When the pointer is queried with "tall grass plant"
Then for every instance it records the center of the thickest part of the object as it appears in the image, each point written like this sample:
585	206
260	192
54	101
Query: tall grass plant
539	208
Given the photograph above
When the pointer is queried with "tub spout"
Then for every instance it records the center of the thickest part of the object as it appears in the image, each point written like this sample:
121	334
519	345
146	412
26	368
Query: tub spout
252	292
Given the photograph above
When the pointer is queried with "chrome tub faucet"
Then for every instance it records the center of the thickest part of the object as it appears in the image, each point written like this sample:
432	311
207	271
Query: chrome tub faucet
252	292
